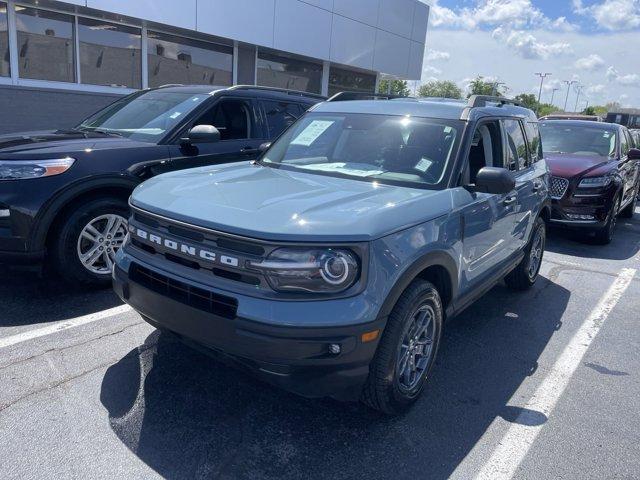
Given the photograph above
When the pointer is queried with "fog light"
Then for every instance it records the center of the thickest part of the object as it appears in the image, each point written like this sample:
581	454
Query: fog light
574	216
334	348
5	213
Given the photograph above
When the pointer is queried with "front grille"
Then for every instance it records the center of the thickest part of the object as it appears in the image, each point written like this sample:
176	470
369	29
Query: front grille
195	297
559	187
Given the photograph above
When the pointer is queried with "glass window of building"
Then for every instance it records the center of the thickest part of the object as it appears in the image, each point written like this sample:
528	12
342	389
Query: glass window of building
4	42
110	54
341	80
286	72
191	62
45	45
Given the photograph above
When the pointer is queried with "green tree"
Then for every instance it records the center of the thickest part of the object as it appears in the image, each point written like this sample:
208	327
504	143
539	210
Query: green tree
479	86
398	87
440	89
547	109
598	110
529	100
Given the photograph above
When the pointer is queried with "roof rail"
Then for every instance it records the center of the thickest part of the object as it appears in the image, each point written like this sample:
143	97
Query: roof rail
280	90
482	100
346	96
168	85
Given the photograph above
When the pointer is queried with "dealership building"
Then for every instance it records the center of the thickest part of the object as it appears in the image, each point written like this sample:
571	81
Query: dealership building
61	60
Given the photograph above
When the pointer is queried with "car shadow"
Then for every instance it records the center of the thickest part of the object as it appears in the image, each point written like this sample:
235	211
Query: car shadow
28	298
187	416
625	244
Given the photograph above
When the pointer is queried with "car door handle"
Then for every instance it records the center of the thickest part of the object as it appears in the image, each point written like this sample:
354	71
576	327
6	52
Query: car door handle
249	151
509	200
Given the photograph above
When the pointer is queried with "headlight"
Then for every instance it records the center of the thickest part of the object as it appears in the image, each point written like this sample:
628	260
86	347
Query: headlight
313	270
595	182
24	169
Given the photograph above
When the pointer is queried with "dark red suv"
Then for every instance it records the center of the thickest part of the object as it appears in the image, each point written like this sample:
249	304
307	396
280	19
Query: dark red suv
595	174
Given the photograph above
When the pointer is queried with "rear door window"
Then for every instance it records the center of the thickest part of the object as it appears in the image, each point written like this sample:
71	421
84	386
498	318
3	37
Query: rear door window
280	116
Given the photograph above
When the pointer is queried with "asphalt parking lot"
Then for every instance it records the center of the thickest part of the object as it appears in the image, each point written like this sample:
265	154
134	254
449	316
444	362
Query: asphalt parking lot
541	384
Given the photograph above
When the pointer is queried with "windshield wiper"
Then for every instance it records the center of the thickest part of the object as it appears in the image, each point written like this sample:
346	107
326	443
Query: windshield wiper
107	132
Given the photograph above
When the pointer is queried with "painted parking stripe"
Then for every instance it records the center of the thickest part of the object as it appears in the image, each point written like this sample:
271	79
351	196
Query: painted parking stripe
515	444
64	325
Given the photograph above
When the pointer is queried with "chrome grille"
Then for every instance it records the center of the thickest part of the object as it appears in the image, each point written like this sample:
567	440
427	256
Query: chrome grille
558	187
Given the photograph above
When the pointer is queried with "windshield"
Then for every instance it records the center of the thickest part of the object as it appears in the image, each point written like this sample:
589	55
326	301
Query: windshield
388	149
144	116
578	139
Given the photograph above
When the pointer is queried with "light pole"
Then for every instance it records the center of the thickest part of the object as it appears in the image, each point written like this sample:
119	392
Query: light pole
553	94
578	92
569	83
542	77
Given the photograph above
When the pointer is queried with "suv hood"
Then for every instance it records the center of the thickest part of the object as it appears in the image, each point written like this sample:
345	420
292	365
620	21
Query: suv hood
39	145
569	165
281	205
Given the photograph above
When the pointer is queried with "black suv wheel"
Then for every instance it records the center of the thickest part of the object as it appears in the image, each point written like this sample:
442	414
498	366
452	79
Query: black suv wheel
604	235
88	240
407	350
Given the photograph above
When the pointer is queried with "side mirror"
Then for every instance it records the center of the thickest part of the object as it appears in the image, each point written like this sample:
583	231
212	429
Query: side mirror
634	154
264	147
202	134
495	180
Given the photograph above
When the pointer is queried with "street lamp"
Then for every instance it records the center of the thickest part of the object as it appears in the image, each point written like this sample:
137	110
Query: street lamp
542	77
495	87
553	94
578	92
568	83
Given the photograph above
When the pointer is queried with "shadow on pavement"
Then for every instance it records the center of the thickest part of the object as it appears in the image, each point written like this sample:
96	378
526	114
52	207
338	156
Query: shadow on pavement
28	298
187	416
625	244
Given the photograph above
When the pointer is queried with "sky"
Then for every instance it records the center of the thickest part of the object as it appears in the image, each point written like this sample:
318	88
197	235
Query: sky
595	43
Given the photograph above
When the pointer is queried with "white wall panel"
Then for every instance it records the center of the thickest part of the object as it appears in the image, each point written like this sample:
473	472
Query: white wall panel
362	10
180	14
396	16
245	20
303	29
416	59
352	43
420	20
392	54
326	4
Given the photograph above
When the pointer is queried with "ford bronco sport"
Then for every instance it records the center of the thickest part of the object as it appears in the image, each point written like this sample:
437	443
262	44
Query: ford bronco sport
329	265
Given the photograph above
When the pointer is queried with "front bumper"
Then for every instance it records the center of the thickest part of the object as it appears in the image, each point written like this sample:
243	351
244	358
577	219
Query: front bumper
569	210
293	356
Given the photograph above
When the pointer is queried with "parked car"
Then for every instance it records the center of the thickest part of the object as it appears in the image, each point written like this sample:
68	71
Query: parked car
571	116
594	174
635	135
329	265
63	194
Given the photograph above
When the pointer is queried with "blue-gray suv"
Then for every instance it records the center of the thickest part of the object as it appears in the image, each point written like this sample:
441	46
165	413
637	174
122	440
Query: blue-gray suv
329	265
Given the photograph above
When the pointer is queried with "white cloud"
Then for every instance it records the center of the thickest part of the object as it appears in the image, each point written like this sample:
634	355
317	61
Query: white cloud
630	80
433	71
528	46
492	13
591	63
435	55
612	14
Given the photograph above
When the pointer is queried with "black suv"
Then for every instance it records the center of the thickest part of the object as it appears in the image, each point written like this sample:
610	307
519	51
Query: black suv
63	194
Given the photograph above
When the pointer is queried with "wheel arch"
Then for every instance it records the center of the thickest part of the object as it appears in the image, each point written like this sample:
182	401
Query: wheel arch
438	268
63	203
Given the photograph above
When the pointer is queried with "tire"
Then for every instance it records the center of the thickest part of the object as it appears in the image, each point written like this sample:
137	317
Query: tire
604	235
524	276
386	390
68	244
630	209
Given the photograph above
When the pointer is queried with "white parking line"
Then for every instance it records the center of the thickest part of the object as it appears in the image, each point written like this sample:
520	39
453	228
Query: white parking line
64	325
515	444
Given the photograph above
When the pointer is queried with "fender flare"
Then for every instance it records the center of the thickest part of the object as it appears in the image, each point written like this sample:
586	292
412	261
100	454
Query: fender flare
61	199
431	259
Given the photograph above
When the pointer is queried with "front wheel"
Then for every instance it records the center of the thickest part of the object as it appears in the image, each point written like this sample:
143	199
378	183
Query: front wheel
526	273
88	239
407	350
604	235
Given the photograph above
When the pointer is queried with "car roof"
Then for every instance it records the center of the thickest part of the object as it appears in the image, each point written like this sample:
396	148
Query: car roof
447	109
239	89
585	123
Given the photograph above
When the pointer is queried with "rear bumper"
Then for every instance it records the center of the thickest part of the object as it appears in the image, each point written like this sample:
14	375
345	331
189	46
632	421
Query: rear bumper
296	358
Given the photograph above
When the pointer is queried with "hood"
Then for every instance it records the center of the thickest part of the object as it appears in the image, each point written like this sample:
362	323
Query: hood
38	145
279	205
568	165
